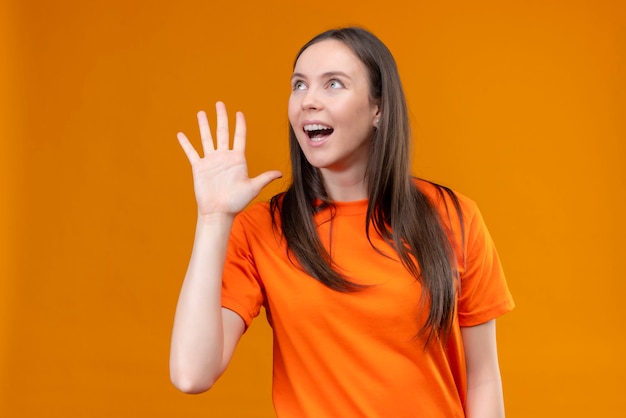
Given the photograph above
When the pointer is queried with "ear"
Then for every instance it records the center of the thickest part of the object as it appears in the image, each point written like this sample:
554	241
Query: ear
376	115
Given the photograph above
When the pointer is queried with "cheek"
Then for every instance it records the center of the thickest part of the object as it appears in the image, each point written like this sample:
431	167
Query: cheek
293	113
361	118
292	110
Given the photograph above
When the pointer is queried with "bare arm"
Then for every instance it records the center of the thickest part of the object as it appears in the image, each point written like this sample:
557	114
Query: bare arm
205	334
484	385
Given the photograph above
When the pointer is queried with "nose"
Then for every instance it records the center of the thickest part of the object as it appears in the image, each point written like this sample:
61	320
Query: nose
311	100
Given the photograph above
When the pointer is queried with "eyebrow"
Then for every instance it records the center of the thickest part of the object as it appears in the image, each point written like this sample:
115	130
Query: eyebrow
325	75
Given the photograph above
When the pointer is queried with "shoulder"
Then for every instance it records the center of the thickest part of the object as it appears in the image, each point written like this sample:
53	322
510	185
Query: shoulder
257	209
257	216
261	216
444	199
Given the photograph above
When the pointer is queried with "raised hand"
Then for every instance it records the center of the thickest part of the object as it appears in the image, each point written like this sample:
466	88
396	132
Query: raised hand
221	181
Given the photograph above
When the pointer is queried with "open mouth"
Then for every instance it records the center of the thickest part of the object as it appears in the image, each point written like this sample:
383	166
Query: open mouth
317	131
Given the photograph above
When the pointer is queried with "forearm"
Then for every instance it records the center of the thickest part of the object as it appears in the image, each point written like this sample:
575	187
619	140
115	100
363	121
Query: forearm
197	346
484	399
484	384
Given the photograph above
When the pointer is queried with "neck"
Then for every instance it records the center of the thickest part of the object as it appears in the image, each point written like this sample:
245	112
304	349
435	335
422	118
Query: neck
344	186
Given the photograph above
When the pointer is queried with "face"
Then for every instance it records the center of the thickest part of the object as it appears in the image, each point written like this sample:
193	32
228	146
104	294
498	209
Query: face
330	109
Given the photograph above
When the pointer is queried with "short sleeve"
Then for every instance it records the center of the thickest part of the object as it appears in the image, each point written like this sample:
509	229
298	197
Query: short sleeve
242	291
484	292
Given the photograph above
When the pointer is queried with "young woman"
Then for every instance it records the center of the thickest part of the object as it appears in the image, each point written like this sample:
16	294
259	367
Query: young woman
382	290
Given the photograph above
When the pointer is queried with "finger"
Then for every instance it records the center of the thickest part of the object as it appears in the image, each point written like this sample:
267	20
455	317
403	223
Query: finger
239	141
263	179
222	126
190	151
205	132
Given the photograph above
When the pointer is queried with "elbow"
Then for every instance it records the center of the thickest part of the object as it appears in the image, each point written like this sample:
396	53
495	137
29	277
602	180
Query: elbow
193	373
191	383
190	387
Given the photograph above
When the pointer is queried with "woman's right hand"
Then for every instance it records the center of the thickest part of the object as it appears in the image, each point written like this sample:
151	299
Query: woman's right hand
221	181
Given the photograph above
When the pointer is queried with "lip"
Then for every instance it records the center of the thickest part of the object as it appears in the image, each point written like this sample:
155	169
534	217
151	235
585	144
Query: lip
320	141
314	122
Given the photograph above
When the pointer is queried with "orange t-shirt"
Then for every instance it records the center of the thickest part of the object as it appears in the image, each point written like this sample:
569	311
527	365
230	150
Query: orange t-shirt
356	354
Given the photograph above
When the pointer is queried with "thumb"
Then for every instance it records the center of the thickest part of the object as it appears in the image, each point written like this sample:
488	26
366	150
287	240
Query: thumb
263	179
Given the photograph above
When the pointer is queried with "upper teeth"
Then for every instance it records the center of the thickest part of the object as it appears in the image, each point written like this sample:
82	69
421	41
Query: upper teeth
315	127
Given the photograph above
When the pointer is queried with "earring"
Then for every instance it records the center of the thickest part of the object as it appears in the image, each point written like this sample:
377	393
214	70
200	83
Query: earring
376	123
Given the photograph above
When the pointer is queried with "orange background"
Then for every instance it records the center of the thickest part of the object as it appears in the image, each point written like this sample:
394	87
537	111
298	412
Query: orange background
520	105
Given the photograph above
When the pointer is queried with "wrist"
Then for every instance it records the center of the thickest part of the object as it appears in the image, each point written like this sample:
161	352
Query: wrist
215	218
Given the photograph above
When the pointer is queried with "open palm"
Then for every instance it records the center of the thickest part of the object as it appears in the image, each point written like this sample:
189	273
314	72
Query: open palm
221	181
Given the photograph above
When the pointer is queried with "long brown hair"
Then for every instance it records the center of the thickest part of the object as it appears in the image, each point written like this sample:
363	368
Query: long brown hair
402	215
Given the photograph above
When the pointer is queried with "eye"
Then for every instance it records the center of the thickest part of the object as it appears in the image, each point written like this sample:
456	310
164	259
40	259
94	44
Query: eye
335	84
298	85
